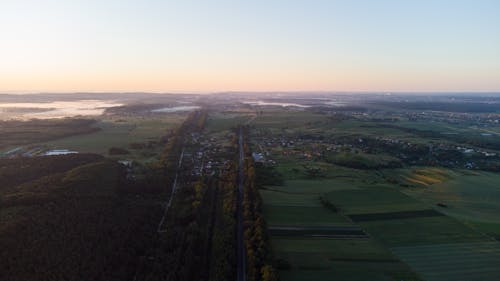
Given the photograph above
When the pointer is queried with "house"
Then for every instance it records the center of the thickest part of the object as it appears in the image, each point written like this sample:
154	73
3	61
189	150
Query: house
258	157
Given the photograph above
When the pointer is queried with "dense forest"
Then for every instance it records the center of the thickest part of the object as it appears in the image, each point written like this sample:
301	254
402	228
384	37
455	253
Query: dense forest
78	217
71	223
82	217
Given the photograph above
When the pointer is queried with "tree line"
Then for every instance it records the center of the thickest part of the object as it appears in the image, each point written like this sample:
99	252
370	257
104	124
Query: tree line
87	221
257	244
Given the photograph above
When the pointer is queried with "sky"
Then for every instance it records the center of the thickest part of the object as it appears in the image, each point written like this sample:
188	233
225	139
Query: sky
257	45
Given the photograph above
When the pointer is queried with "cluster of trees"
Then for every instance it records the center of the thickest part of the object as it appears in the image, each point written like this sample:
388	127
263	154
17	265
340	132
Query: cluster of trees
257	246
179	252
413	154
182	245
492	142
223	262
158	177
194	123
15	171
199	242
327	204
78	225
76	217
363	160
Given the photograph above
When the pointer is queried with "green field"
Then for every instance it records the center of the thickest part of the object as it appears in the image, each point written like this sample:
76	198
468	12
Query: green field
223	121
454	262
346	195
469	196
337	259
333	259
278	120
301	186
353	271
302	215
373	199
121	132
396	243
334	249
297	204
422	231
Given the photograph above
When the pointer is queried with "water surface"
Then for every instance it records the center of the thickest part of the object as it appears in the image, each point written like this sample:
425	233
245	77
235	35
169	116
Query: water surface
55	109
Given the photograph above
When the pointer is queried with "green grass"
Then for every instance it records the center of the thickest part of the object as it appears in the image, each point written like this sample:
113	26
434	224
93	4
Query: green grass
294	169
353	271
284	119
217	122
120	133
16	133
373	199
356	127
431	126
471	197
330	259
288	199
297	204
307	192
362	160
111	135
334	249
454	262
369	191
303	215
490	229
422	231
315	186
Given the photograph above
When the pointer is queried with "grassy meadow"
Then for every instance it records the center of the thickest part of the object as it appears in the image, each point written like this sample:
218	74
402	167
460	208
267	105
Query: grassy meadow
121	132
427	219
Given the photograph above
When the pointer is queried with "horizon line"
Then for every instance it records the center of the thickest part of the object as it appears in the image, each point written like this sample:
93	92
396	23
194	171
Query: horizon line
253	92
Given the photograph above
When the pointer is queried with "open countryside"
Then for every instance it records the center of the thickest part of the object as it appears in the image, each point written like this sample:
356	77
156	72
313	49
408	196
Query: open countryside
350	193
281	140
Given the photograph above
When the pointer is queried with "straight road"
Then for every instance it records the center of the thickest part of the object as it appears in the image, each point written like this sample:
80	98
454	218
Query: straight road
174	189
241	260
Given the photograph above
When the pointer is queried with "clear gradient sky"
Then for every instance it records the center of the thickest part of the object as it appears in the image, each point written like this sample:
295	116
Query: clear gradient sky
252	45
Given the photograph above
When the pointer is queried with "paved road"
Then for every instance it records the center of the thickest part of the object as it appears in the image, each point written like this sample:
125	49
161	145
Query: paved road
241	260
174	189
